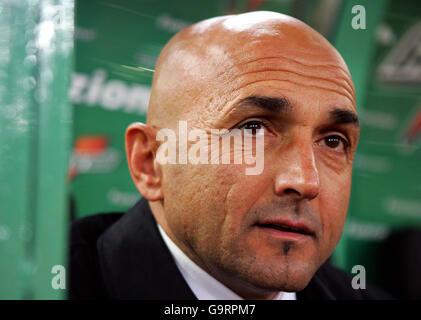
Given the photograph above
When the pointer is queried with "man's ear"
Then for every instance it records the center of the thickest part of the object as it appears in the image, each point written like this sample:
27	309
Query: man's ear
141	150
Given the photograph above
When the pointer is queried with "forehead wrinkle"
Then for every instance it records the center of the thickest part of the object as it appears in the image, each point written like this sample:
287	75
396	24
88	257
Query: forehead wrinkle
327	79
298	84
283	105
350	94
344	78
345	72
243	63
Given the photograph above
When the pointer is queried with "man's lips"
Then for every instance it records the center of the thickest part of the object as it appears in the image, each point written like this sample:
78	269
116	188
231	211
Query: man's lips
286	228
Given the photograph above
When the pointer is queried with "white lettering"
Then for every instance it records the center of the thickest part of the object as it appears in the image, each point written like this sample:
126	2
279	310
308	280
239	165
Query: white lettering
59	280
358	281
111	95
358	21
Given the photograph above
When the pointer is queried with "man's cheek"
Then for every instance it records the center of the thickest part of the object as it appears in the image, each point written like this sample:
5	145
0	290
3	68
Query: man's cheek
333	227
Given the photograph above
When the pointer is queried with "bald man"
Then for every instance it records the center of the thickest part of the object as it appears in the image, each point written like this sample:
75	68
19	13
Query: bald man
209	230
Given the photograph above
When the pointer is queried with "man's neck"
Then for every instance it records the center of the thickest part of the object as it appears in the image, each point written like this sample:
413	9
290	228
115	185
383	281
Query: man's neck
222	285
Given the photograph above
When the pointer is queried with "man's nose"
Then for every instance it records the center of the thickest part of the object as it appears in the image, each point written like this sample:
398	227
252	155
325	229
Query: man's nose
298	175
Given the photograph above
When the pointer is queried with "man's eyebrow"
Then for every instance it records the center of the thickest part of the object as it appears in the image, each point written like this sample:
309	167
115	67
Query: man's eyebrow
342	116
272	104
282	104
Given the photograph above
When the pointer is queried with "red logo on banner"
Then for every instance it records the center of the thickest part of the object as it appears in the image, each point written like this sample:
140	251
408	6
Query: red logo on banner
414	130
92	154
90	145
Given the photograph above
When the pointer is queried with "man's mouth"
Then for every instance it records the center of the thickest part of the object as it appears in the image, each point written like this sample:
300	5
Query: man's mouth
286	229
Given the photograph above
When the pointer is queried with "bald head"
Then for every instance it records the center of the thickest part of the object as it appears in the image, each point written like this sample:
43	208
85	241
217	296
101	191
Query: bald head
202	67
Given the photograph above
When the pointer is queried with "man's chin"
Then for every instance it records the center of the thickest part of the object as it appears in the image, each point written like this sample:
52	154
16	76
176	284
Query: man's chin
287	283
290	278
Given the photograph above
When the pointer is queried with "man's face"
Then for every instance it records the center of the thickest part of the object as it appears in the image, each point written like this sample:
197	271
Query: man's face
272	230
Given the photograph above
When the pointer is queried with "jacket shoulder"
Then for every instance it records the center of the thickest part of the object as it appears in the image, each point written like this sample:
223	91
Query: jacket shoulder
84	279
89	229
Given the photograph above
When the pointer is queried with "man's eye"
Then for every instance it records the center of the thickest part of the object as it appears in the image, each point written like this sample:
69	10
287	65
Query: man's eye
336	142
253	127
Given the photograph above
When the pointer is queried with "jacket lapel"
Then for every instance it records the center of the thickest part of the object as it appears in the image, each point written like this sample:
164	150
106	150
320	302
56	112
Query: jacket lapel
316	290
135	262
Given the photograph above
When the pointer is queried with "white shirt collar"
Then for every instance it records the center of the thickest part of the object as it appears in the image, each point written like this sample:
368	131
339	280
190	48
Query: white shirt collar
203	285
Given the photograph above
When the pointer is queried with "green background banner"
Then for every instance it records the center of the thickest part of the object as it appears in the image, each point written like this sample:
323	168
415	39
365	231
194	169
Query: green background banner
50	164
36	48
114	59
386	192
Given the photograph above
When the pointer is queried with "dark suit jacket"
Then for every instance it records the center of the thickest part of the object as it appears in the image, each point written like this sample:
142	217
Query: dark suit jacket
122	256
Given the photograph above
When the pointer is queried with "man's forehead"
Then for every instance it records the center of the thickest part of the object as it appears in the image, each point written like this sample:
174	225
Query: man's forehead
205	62
255	22
235	31
217	45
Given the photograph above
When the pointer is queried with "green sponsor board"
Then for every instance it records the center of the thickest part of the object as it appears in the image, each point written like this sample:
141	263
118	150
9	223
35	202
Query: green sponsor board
36	47
115	57
116	47
386	193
